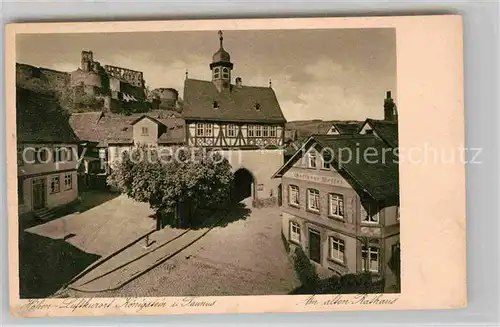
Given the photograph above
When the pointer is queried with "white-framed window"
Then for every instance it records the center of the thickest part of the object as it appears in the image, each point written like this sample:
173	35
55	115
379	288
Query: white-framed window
251	131
258	130
326	164
216	72
336	205
370	256
144	131
199	128
225	72
231	130
294	232
55	184
208	129
272	131
68	153
68	181
204	129
265	131
293	195
311	162
313	199
370	215
337	249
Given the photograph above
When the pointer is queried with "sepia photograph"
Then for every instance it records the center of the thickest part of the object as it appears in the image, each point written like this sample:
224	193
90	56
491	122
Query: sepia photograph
208	163
122	186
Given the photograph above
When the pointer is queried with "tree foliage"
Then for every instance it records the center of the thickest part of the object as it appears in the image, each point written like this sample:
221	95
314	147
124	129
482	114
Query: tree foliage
165	180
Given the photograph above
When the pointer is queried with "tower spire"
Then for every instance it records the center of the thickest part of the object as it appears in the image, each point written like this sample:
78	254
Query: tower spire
221	38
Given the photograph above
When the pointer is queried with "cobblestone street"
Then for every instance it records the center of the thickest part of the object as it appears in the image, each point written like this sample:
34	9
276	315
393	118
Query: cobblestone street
244	257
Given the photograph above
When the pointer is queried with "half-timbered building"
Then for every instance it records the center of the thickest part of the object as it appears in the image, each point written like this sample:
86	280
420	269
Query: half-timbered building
244	122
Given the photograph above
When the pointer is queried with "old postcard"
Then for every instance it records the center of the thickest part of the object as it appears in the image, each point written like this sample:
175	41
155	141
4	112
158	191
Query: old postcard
236	166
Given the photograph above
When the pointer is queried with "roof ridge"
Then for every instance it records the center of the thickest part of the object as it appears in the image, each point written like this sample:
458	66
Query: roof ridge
344	136
85	113
232	85
383	121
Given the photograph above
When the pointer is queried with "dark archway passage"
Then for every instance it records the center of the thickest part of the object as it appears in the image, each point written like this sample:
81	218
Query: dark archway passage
243	185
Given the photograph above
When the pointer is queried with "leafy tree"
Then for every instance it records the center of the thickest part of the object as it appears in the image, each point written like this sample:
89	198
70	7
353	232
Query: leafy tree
175	185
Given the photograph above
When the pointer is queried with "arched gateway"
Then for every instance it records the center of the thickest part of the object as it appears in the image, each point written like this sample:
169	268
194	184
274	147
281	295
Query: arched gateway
243	185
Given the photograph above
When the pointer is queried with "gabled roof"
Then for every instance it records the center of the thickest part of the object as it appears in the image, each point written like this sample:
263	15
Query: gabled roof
306	128
293	146
114	128
236	104
386	130
378	176
84	124
173	135
39	118
347	127
146	116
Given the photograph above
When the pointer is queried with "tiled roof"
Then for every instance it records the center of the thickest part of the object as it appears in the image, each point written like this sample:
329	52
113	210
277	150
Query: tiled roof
306	128
85	124
114	128
386	130
378	176
173	135
293	146
39	118
236	104
347	127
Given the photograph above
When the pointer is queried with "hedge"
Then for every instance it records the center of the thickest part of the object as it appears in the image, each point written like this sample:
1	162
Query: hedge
361	283
305	270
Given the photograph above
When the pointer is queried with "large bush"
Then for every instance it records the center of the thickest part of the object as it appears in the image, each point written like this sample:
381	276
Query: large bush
361	283
173	183
305	270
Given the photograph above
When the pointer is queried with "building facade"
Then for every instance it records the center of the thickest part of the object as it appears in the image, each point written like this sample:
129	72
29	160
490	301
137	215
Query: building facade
47	156
245	123
47	175
112	134
345	217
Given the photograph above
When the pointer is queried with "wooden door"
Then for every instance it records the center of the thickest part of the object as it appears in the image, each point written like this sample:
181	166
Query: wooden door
280	195
314	246
39	193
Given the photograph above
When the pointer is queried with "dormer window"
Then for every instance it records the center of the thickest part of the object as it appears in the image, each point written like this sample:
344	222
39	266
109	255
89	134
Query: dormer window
216	105
257	106
369	131
217	72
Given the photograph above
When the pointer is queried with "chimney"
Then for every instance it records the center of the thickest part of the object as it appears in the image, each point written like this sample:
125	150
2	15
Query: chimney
238	82
389	108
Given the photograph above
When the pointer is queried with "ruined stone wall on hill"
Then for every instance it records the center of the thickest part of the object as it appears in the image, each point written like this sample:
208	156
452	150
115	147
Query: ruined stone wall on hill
100	93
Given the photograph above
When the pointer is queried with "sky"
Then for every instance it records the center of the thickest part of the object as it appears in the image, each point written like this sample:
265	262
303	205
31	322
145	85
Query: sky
316	74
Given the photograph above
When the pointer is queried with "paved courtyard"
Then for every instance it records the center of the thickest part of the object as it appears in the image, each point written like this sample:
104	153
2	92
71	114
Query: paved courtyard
103	228
52	253
242	255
